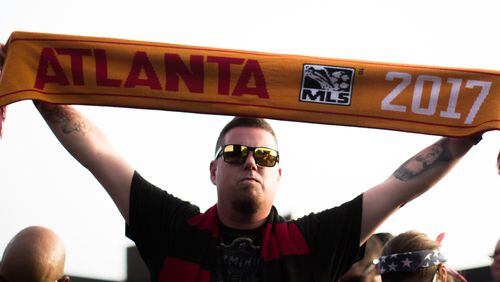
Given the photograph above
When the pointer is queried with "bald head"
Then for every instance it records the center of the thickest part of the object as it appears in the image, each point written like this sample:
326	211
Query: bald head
35	254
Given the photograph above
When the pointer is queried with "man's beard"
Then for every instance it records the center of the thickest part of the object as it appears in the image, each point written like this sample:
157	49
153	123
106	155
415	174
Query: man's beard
247	203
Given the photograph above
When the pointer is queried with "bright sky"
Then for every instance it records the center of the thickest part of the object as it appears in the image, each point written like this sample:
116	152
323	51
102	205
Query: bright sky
40	184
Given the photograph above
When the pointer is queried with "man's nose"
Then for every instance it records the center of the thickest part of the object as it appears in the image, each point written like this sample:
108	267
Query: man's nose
250	162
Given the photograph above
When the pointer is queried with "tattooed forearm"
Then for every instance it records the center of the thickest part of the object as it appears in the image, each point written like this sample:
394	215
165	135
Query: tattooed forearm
424	161
65	116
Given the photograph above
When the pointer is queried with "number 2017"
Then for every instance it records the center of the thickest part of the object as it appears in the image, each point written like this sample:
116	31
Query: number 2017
416	105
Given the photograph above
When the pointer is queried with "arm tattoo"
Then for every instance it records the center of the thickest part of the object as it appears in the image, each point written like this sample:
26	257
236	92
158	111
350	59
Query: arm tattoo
424	161
70	122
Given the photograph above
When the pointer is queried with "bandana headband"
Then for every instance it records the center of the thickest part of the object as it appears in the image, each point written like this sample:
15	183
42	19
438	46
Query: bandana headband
410	261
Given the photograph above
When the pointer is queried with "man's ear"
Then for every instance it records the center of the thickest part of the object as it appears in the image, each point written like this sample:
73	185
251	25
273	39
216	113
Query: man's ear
279	173
213	170
442	273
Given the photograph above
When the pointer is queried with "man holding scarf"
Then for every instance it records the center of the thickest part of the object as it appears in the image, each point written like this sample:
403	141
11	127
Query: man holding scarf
242	237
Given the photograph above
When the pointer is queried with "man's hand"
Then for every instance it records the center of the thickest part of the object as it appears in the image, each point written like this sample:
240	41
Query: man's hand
2	108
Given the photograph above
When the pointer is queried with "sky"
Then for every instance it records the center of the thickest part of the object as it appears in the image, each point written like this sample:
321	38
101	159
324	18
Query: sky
40	184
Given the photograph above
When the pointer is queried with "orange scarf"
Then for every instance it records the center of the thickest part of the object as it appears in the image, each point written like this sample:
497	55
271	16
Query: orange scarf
112	72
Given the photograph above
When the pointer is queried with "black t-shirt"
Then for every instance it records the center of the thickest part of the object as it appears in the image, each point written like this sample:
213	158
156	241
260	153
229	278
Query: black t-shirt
178	243
238	256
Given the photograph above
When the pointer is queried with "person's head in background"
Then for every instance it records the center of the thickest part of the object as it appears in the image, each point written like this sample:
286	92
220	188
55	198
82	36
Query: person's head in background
413	257
364	270
35	254
495	264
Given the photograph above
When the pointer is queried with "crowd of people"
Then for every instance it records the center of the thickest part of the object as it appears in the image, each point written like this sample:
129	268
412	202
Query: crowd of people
37	254
242	237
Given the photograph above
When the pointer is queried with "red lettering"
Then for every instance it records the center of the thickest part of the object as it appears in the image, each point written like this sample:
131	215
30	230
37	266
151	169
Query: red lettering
101	70
76	56
224	71
141	62
251	68
48	57
174	67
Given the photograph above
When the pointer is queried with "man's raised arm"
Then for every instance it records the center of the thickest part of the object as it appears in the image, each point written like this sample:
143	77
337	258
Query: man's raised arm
411	179
88	145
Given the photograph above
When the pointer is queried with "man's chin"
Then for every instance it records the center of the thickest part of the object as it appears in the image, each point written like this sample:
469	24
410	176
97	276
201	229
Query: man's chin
248	206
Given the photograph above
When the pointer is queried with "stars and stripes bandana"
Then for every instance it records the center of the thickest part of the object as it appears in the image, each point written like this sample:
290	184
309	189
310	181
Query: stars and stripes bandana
64	69
409	261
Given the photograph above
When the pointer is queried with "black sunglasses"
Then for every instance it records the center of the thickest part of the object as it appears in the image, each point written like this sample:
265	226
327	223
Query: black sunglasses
237	154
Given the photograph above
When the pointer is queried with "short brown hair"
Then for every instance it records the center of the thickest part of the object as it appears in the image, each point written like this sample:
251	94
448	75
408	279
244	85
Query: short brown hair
244	122
410	241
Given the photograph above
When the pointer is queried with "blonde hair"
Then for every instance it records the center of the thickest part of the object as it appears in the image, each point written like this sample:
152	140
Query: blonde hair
409	242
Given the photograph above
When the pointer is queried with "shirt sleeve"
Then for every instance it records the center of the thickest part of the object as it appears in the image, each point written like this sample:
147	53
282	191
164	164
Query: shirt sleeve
154	217
333	237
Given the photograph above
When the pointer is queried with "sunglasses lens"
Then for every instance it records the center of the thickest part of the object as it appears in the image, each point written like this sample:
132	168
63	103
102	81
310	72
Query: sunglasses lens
235	154
265	156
